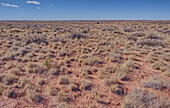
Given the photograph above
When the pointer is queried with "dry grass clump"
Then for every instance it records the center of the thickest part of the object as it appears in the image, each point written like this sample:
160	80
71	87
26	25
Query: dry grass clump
160	65
156	83
74	87
123	73
106	72
53	90
35	68
9	65
8	79
91	61
16	71
110	69
54	71
114	85
64	80
138	34
22	82
141	99
110	81
86	85
3	88
41	81
129	30
33	95
118	89
167	73
114	58
86	70
102	74
130	64
64	97
151	59
153	36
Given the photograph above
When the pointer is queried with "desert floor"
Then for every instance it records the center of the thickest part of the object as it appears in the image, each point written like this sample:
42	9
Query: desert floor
85	64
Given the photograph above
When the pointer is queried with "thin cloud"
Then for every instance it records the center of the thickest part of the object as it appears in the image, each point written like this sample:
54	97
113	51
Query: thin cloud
34	2
9	5
38	8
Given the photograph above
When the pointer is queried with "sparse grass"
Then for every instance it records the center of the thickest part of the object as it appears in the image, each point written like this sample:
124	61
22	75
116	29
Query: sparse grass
141	99
58	64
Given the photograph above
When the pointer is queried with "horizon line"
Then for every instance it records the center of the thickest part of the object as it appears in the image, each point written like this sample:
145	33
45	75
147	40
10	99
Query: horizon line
87	20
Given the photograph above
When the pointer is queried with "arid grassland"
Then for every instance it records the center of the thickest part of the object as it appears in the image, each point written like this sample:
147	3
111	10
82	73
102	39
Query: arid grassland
85	64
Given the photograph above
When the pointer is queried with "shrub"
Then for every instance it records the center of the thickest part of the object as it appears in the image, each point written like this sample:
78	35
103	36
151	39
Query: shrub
138	34
156	83
153	36
141	99
151	43
129	30
78	36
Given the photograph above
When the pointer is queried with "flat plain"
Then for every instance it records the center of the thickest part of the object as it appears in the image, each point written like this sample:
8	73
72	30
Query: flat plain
84	64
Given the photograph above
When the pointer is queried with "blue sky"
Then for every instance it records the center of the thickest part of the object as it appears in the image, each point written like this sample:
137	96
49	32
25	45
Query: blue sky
85	10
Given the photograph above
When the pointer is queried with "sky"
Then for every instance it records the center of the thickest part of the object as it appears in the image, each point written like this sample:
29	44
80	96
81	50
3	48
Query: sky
84	9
